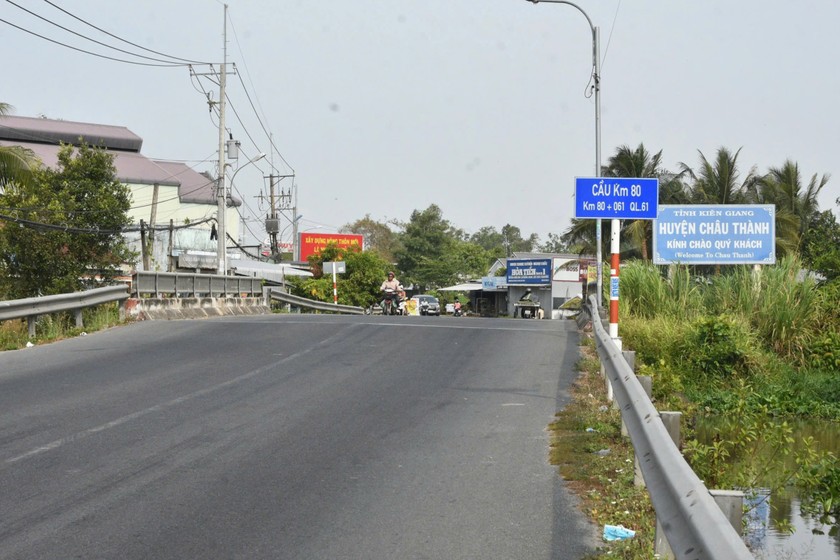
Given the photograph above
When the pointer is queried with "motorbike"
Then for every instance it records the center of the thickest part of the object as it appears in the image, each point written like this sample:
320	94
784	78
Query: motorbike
390	302
457	311
424	308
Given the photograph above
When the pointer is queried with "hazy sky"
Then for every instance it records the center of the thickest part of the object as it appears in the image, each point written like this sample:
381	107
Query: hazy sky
478	106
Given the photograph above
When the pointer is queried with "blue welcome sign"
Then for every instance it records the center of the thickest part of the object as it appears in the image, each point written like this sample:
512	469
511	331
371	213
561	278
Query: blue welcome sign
531	272
715	234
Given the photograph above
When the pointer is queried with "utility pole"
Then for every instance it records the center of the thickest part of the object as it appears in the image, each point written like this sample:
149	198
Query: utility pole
272	224
221	193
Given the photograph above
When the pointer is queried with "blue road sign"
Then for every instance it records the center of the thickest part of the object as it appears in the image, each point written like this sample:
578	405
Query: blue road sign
618	198
715	234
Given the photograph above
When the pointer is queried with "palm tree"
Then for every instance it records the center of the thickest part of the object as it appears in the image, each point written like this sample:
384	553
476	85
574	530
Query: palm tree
15	162
796	208
717	182
640	163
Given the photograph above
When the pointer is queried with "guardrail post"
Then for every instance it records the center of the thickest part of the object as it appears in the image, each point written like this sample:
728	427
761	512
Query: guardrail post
731	503
30	322
647	384
80	322
671	420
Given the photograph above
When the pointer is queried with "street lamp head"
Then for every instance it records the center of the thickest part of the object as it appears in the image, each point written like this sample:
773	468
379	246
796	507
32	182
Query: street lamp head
258	157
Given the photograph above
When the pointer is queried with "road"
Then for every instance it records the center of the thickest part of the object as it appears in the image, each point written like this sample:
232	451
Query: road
289	437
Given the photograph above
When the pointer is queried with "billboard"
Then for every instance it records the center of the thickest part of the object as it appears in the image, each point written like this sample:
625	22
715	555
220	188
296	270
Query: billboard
715	234
313	243
529	272
566	269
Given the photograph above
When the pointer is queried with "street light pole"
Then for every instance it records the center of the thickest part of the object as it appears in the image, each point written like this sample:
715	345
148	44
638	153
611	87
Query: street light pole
596	65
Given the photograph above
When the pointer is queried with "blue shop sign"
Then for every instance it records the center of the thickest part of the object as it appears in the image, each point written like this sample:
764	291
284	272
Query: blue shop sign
530	272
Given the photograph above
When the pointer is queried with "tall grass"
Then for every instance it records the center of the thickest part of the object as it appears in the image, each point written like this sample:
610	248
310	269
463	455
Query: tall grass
783	309
646	293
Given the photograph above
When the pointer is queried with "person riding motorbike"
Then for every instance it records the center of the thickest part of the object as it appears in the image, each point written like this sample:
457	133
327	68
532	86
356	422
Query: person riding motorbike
390	288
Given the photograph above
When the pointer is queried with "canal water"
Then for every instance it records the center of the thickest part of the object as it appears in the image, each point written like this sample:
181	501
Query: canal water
811	539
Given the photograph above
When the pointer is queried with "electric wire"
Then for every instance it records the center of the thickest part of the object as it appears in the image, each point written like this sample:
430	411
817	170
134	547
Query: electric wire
120	38
95	231
172	65
42	18
609	39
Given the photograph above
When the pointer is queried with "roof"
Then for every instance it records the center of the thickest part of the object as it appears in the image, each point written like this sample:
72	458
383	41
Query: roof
466	287
45	136
267	271
51	131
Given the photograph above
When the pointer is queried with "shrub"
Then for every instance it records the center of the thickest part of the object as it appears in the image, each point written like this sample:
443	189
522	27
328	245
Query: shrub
718	347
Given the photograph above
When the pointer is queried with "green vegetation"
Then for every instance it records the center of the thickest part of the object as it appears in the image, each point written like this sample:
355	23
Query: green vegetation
49	328
754	349
596	462
68	226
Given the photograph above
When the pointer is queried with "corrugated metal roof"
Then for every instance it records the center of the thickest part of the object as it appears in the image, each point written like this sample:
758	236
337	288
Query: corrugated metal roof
194	187
131	167
51	131
43	137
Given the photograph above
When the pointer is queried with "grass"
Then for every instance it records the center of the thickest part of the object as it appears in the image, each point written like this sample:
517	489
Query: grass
14	334
603	480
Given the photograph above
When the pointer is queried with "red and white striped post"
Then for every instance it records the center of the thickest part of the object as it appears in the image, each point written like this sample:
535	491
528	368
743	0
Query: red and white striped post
335	286
615	226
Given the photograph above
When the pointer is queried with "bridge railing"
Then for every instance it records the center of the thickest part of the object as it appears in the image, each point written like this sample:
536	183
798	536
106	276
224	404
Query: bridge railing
177	284
32	308
304	303
693	523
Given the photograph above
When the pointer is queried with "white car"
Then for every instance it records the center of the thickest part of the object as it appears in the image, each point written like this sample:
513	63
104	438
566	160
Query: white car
426	305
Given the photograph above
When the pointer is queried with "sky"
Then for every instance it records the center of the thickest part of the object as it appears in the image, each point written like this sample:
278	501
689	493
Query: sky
482	107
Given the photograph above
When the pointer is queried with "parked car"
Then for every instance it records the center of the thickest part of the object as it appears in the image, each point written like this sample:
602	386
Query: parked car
427	305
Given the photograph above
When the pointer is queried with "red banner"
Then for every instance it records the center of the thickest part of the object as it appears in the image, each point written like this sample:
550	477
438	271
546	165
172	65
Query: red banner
313	243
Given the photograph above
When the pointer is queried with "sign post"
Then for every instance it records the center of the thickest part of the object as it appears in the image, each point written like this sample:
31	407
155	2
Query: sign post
616	198
336	267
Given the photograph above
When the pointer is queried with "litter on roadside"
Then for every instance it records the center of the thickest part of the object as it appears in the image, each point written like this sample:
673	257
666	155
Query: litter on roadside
617	533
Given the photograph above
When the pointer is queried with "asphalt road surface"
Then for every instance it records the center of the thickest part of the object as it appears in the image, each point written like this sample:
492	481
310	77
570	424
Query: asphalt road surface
290	437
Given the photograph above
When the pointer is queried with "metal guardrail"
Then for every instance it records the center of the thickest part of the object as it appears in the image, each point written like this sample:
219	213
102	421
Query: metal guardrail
31	308
694	525
175	284
297	301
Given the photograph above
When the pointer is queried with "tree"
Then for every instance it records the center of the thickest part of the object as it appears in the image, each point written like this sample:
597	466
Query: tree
717	182
627	162
426	238
515	243
462	261
488	238
378	236
359	285
16	163
555	244
796	208
821	245
70	226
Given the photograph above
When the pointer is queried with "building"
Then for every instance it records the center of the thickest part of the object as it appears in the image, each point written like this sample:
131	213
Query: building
177	204
552	278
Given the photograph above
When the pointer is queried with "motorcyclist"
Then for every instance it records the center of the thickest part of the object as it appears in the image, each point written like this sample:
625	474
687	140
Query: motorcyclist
390	284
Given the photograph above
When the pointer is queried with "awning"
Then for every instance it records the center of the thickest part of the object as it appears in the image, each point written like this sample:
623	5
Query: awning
468	287
268	271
